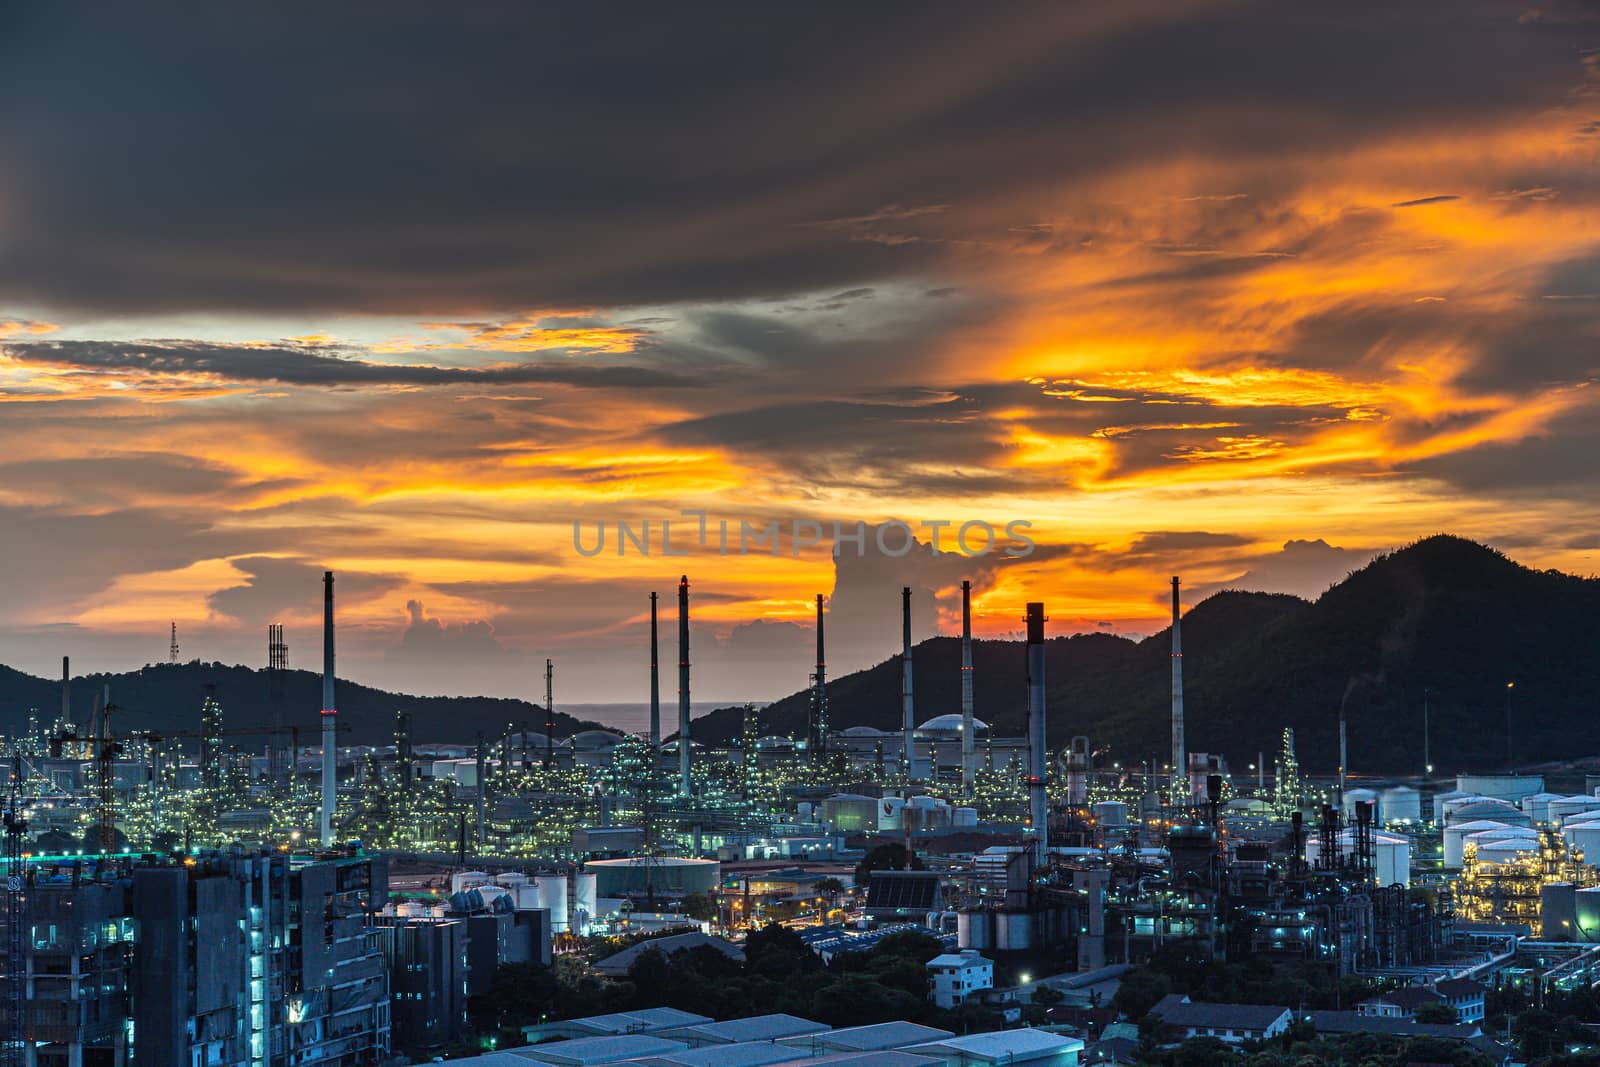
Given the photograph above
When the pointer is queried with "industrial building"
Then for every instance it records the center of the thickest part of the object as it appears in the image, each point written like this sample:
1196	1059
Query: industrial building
230	959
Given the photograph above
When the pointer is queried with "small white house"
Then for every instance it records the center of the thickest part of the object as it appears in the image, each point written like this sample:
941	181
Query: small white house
953	977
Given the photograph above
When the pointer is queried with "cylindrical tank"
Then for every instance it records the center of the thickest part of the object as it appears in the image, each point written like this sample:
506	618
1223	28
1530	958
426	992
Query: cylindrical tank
462	881
1391	859
587	898
1585	838
965	817
891	813
850	812
670	875
511	879
1013	931
408	909
1512	787
1485	808
1588	908
550	890
1455	836
527	897
1111	814
974	930
1568	806
1401	805
1537	807
804	809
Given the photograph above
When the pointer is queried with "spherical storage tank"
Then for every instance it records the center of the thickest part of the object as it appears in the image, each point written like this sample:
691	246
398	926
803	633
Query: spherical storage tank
637	875
1401	804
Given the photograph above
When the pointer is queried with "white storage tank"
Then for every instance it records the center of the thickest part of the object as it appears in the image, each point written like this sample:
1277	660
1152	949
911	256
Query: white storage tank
586	901
1391	859
462	881
1482	808
890	813
1537	807
1112	814
527	897
964	817
1400	804
1512	787
511	879
1566	807
803	810
550	890
1391	855
1455	836
1585	838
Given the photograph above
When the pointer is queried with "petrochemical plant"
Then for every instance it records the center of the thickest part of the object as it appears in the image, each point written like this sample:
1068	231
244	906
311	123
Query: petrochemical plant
238	894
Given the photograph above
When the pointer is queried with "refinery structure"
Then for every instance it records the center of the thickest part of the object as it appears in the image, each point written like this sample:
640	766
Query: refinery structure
265	858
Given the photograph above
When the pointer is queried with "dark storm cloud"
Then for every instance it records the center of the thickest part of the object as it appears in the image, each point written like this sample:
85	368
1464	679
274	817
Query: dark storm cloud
279	585
1424	200
1559	460
405	157
306	365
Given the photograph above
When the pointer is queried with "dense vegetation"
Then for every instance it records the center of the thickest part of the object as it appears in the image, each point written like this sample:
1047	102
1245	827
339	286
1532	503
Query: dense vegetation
779	974
1444	614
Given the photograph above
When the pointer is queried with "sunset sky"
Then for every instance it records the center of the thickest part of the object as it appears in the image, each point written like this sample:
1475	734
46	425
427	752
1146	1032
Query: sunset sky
1235	291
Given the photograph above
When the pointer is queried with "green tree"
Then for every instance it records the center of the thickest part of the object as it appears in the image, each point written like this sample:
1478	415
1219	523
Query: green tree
890	857
699	906
1437	1012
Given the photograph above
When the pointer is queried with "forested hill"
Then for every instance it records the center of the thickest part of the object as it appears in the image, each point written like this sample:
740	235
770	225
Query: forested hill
1444	614
167	696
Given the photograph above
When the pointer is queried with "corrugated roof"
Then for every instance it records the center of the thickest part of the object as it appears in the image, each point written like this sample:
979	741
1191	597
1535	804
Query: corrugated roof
587	1050
1178	1010
748	1054
1000	1044
879	1036
628	1022
754	1028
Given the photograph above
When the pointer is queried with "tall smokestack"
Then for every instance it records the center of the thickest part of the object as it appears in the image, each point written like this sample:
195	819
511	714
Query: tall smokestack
549	713
66	690
1180	751
683	686
330	715
1037	814
966	690
655	684
819	693
908	707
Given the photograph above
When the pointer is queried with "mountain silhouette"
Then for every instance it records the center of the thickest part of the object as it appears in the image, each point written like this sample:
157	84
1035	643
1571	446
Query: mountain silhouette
167	697
1445	615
